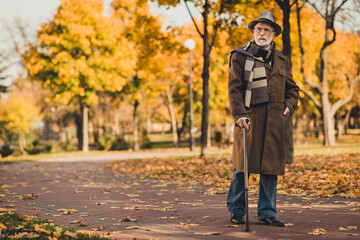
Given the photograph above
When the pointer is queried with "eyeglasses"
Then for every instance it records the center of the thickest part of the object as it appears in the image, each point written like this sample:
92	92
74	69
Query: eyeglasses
266	30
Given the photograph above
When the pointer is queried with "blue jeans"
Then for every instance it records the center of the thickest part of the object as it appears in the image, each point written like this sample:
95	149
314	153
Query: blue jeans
267	195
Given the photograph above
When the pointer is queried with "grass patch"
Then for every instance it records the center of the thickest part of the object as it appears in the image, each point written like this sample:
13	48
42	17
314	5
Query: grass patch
15	226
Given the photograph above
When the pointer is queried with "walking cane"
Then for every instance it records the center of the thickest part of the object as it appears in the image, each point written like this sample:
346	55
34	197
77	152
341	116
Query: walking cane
246	181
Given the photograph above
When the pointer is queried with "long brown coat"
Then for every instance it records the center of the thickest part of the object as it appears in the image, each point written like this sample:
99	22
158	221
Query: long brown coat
266	138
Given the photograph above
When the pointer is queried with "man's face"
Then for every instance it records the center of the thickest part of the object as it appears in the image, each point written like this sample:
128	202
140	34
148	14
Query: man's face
264	34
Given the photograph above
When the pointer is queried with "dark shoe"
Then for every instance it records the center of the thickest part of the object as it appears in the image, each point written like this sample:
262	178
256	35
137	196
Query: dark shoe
237	219
271	222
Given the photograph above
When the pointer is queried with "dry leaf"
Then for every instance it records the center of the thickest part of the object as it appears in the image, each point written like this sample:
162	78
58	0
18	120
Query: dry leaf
206	233
67	211
351	234
74	222
318	231
71	234
131	195
29	196
132	227
347	228
128	219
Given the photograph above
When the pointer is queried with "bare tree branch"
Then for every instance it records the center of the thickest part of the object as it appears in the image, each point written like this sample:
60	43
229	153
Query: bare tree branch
217	26
196	26
339	7
316	9
312	97
338	104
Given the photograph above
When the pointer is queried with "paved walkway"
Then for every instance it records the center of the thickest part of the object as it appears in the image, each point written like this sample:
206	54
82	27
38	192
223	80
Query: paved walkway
163	209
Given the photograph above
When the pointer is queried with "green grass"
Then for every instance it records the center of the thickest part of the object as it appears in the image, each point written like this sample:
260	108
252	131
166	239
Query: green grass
346	144
13	225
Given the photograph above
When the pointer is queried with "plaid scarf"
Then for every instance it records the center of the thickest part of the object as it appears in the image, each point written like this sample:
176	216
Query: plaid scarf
255	72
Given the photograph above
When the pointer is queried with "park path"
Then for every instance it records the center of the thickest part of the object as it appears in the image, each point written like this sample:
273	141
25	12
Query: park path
163	209
117	156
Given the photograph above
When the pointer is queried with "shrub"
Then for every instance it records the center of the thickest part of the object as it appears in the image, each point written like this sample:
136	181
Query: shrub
119	144
6	151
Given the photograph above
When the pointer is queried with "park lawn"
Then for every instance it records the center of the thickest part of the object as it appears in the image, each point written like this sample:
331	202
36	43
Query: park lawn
15	226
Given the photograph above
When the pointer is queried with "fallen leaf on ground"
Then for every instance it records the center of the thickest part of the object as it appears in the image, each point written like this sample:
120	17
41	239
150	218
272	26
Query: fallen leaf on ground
29	196
351	234
289	224
206	233
132	227
232	226
132	208
318	231
67	211
71	234
186	225
74	222
347	228
6	210
128	219
132	195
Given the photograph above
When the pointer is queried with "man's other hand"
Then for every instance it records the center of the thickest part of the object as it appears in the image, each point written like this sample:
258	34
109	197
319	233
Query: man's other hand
287	110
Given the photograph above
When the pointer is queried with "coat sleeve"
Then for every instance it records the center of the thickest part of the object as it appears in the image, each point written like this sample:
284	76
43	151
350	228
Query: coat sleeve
291	89
236	86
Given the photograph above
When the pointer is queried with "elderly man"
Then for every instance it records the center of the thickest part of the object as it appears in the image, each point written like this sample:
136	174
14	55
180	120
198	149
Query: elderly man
263	96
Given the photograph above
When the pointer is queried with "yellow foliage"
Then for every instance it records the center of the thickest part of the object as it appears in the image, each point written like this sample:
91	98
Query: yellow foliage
20	111
82	52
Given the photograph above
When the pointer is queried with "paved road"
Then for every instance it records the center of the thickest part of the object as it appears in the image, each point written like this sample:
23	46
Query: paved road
163	209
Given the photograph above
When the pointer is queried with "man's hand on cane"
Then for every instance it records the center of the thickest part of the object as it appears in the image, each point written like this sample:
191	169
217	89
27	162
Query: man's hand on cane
244	122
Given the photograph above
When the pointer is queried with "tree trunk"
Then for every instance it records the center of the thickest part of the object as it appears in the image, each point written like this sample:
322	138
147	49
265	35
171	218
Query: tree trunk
148	124
135	126
205	76
181	130
296	137
341	123
116	127
173	117
79	129
85	115
285	7
285	35
328	118
22	141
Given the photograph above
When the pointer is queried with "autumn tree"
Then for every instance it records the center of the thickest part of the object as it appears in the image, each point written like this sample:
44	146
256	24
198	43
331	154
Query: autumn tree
214	15
81	52
320	91
144	30
20	111
4	66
